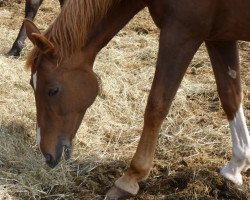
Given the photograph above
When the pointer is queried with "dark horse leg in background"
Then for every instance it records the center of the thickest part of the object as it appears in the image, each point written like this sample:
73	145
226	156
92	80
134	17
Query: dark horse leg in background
31	8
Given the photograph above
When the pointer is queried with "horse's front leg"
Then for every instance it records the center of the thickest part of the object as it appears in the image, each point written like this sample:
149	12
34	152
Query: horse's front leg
225	62
31	7
176	50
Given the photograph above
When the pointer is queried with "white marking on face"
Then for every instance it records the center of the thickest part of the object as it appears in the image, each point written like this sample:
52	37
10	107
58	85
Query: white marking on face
232	73
35	80
240	160
38	136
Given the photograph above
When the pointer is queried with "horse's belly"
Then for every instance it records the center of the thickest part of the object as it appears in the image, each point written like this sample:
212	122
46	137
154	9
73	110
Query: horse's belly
231	30
232	21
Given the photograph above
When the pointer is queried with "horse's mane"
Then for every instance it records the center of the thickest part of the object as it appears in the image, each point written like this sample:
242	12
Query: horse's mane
69	30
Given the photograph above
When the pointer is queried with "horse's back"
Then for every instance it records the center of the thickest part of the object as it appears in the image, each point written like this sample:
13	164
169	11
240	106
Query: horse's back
210	19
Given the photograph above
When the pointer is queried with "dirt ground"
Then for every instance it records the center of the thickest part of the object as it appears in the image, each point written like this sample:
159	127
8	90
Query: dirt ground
193	145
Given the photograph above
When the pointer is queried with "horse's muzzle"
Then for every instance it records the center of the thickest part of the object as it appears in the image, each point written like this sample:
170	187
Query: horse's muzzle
51	162
63	150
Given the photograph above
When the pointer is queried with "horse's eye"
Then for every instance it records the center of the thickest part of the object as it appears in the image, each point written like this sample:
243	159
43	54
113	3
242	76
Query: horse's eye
53	91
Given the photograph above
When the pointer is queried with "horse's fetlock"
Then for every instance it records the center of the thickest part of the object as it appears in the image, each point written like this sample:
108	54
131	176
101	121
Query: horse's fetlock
241	154
140	170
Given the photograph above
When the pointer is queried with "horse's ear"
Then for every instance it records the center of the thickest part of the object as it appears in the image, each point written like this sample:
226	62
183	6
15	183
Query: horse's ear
43	43
37	38
30	29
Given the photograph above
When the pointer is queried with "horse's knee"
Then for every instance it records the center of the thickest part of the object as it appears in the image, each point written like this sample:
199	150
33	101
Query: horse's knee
156	110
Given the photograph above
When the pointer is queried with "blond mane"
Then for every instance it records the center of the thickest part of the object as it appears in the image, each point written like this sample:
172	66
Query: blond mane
70	30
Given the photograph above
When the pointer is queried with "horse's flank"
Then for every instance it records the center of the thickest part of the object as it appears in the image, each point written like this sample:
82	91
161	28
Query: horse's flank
69	31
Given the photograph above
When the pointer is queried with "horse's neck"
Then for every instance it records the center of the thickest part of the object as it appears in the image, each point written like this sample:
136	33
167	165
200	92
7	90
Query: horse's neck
117	18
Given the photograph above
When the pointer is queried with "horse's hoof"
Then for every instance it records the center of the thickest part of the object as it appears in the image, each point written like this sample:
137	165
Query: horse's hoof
231	174
13	53
116	193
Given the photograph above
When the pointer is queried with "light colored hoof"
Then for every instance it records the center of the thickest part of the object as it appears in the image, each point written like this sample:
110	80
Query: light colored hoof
127	184
232	175
116	193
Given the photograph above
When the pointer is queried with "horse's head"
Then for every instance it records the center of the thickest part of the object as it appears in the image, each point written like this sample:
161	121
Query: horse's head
63	91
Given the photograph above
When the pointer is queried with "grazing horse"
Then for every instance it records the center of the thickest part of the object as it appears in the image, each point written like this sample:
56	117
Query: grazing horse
65	85
31	8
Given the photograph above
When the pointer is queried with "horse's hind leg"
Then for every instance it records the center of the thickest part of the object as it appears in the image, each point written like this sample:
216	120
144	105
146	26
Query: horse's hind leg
176	51
225	62
31	7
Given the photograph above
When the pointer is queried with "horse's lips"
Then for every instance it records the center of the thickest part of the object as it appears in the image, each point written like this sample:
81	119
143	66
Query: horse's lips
53	164
63	151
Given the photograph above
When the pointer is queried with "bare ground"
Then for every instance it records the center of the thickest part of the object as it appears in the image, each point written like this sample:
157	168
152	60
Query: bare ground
193	145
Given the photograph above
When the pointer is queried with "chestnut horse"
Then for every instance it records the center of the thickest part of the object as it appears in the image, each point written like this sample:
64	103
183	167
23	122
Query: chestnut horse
31	8
65	85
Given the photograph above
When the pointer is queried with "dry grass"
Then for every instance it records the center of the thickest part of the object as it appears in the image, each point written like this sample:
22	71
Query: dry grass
194	141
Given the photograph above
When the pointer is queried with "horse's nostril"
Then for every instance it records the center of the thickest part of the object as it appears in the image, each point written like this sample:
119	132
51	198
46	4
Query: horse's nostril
48	158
